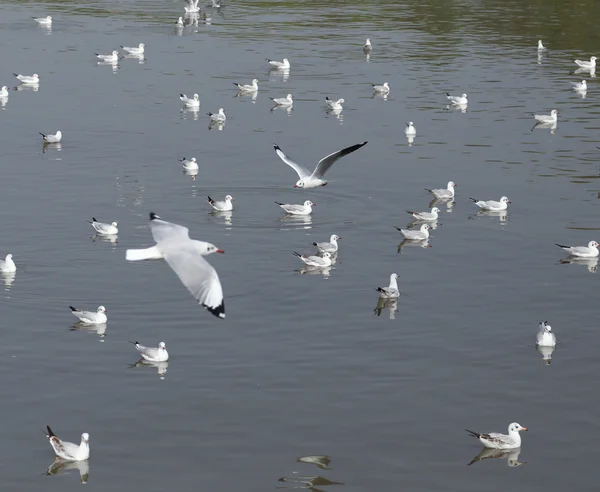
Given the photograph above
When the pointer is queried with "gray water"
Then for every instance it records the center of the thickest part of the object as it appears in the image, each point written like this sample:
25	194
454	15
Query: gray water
302	365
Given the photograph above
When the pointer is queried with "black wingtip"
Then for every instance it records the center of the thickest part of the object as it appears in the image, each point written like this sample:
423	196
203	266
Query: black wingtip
297	254
474	434
15	74
279	203
398	228
121	46
153	216
427	189
562	245
379	289
210	200
181	95
474	199
218	311
448	94
94	219
72	308
267	60
50	433
276	147
314	244
135	343
42	134
409	212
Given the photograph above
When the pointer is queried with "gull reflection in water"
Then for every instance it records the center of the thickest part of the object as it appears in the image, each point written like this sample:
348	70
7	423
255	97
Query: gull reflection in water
9	278
161	367
437	202
287	109
546	126
192	173
61	466
307	482
276	75
512	456
216	125
224	216
591	71
115	65
591	263
410	139
458	107
185	112
407	242
546	354
391	304
27	87
310	270
321	461
46	146
297	220
99	330
3	101
140	58
337	113
111	239
502	215
253	95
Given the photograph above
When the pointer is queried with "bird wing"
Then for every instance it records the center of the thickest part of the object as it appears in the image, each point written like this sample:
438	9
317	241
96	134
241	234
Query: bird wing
325	163
151	352
293	208
301	171
163	231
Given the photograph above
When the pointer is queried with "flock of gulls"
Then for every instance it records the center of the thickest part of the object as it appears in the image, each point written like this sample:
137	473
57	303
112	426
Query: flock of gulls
186	256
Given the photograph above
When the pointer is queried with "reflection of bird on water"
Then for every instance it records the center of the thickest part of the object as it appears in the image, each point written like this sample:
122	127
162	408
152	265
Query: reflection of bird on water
309	482
319	460
61	466
391	304
546	354
161	367
512	456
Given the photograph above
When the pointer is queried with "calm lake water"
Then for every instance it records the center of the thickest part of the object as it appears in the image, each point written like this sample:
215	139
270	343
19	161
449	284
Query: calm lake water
302	366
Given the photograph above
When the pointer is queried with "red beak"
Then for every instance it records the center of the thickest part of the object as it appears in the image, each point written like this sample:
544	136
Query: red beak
220	251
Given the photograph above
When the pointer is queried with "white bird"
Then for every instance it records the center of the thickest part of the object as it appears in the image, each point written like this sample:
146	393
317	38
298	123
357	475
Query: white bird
420	235
495	440
283	101
368	47
186	257
492	205
218	117
192	6
179	22
105	229
8	265
315	179
443	193
458	100
222	206
589	65
134	50
410	129
52	138
113	57
426	216
390	292
279	65
305	209
44	21
541	47
190	103
67	450
4	91
547	119
589	251
329	247
248	88
90	317
189	164
382	89
579	86
316	261
28	79
545	337
153	354
335	105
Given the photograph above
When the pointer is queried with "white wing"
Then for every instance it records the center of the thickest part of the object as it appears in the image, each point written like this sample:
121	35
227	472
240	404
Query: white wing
147	351
325	163
163	231
302	171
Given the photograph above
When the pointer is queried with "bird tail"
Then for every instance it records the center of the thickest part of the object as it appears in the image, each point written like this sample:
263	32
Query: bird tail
398	228
236	84
314	244
474	199
135	343
211	201
50	433
380	289
15	74
474	434
562	245
267	60
181	95
44	136
279	203
409	212
92	221
72	308
182	159
447	94
151	253
427	189
122	46
297	254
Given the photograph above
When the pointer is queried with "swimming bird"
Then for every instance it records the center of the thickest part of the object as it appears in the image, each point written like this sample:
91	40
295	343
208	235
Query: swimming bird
248	88
495	440
4	91
179	22
443	193
315	179
279	65
8	265
390	292
540	46
382	89
335	105
329	247
52	138
218	117
579	86
315	261
458	100
190	103
545	337
547	119
153	354
185	256
28	79
222	206
305	209
283	101
589	251
189	164
410	129
368	47
67	450
105	229
589	65
419	235
426	216
139	50
44	21
113	57
492	205
90	317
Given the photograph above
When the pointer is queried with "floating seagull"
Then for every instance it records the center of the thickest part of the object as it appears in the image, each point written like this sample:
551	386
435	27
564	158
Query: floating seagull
547	119
189	164
8	265
4	91
218	117
579	86
367	48
305	209
443	194
316	261
335	105
589	251
179	22
52	138
545	337
410	129
44	21
420	235
392	291
248	88
190	103
426	216
315	179
186	257
458	100
153	354
90	317
501	441
28	79
105	229
492	205
222	206
541	47
113	57
283	101
134	50
330	247
588	65
67	450
382	89
279	65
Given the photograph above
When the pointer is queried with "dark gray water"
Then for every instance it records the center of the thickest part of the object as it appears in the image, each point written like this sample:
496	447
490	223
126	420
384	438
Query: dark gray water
302	366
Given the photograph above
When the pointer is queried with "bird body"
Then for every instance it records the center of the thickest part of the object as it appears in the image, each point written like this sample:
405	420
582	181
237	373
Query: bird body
248	88
113	57
540	46
316	261
4	91
545	337
28	79
222	206
329	247
283	101
589	65
443	193
458	100
218	117
52	138
8	265
335	105
418	235
189	164
589	251
67	450
134	50
44	21
105	229
89	317
382	89
390	292
368	47
279	65
426	216
491	205
190	102
547	119
579	86
410	129
305	209
495	440
153	354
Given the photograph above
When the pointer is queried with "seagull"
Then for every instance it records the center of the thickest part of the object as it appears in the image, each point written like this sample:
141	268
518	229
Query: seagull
248	88
283	101
113	57
589	251
330	247
367	48
222	206
546	119
4	91
90	317
501	441
218	117
541	47
443	194
52	138
28	79
426	216
420	235
190	103
382	89
186	257
458	100
579	86
305	209
545	337
589	65
8	265
335	105
44	21
67	450
392	291
491	205
153	354
410	129
316	261
179	22
105	229
189	165
315	179
134	50
279	65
